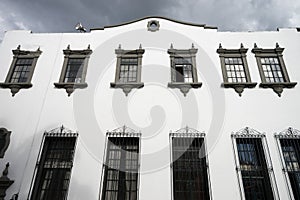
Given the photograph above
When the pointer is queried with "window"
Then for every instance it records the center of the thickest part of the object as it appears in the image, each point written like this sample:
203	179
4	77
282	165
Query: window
153	25
4	141
189	165
54	167
254	168
273	72
121	169
183	69
289	147
128	69
235	69
74	69
21	70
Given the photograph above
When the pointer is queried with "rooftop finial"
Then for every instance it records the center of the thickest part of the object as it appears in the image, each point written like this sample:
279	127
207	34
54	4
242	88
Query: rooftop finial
89	47
220	46
171	46
19	47
255	45
277	45
120	47
242	46
68	47
140	47
193	47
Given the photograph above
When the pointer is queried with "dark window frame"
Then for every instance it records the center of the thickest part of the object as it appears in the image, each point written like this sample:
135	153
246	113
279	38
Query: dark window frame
289	136
192	134
127	54
251	134
273	53
58	165
184	54
240	53
21	54
74	54
122	133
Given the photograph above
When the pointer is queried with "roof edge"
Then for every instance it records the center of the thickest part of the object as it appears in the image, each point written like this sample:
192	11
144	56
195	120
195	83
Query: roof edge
160	17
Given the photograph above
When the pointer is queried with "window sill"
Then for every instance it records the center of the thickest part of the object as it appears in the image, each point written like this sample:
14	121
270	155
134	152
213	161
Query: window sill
15	87
239	87
127	87
70	87
278	87
184	87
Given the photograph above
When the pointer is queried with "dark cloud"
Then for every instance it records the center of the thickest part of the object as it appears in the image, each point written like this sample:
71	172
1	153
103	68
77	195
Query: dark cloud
61	16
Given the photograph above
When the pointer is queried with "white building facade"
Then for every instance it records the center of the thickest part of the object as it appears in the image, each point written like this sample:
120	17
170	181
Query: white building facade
150	109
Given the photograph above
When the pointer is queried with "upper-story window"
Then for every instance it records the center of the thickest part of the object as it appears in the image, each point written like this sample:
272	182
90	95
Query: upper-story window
272	69
74	69
128	69
289	147
235	69
21	70
253	165
183	69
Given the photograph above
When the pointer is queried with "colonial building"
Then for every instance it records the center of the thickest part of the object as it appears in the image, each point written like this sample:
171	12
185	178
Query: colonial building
150	109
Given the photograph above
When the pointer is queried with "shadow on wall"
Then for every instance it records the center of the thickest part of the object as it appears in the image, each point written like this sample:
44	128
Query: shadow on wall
17	156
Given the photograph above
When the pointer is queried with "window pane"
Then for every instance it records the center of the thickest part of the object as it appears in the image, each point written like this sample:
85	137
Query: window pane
121	169
291	154
235	70
272	69
22	70
74	70
255	176
53	174
190	180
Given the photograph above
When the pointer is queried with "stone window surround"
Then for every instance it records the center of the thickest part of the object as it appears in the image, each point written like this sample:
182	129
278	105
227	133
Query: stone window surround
121	53
156	25
277	52
235	53
69	86
18	53
185	53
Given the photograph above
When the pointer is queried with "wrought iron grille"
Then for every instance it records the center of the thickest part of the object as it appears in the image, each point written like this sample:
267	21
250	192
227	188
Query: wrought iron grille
128	70
22	70
121	169
74	70
272	69
254	170
190	178
183	69
291	155
54	169
235	70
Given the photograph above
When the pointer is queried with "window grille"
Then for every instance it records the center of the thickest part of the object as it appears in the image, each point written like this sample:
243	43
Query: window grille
54	169
121	169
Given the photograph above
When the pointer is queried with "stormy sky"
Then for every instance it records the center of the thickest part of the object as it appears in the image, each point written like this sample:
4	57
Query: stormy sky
227	15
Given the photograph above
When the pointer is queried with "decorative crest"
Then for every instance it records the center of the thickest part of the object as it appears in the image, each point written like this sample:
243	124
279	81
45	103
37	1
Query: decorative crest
288	133
247	133
187	132
124	131
61	132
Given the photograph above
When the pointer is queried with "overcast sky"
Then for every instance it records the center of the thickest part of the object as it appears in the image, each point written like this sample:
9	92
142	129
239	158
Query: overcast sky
62	15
